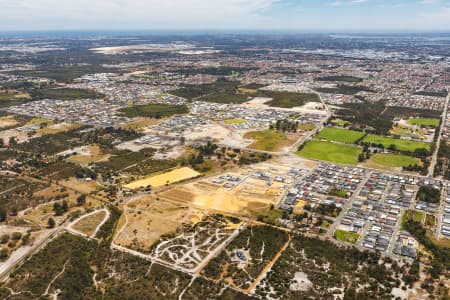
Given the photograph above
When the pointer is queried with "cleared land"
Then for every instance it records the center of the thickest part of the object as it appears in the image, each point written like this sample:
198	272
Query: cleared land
428	122
164	179
401	145
250	197
88	224
340	135
339	153
268	140
147	219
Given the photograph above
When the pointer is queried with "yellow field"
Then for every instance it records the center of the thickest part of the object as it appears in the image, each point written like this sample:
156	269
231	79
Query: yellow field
163	179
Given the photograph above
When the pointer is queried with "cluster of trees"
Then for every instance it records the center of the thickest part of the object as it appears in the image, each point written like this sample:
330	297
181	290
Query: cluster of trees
429	194
285	125
441	255
60	209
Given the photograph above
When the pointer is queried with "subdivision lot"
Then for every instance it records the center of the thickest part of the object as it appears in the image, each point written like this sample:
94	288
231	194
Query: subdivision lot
340	135
236	193
339	153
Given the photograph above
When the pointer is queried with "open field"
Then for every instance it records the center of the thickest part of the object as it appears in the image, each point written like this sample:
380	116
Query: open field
269	140
164	179
234	121
428	122
346	154
401	145
7	121
250	197
154	110
288	99
57	128
147	219
88	154
345	236
340	135
87	225
81	186
140	123
389	160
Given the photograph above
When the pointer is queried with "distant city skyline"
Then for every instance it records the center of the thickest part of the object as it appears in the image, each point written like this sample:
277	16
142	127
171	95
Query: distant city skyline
295	15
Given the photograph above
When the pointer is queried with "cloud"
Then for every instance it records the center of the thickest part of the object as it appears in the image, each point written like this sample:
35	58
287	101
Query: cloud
134	13
348	2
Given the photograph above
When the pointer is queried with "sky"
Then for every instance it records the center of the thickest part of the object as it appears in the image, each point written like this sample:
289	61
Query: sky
295	15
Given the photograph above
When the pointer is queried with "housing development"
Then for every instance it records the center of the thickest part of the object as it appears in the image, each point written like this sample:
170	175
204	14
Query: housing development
223	166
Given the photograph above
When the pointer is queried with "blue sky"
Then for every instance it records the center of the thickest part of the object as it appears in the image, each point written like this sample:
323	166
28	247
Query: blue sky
304	15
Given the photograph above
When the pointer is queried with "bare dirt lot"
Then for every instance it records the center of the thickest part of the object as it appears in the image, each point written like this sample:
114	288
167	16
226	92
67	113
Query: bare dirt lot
7	121
248	196
145	220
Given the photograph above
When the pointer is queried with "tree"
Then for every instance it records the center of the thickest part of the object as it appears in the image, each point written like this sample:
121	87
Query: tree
3	214
51	223
65	206
81	200
12	141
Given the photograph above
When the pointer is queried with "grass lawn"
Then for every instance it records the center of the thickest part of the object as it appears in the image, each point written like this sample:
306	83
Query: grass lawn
234	121
338	153
306	127
345	236
415	215
430	220
402	145
267	140
340	135
394	160
424	122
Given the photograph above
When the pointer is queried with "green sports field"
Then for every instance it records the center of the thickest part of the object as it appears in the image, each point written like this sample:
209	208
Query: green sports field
338	153
340	135
424	122
401	145
394	160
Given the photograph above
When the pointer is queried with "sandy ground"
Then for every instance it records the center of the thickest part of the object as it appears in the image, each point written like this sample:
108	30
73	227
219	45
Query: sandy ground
147	218
20	136
301	282
57	128
81	186
86	154
249	196
7	121
163	179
